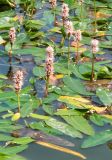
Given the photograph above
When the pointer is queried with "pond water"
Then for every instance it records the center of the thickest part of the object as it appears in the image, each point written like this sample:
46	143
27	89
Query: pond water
27	62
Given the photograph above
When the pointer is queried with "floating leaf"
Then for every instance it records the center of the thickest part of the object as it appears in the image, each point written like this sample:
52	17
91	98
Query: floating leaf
63	127
22	140
105	96
16	117
97	139
74	84
12	150
79	123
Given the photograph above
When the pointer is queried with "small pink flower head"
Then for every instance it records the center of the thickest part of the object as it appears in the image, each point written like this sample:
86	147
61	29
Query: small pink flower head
77	35
94	45
69	28
12	35
65	11
53	3
80	2
18	80
50	52
49	61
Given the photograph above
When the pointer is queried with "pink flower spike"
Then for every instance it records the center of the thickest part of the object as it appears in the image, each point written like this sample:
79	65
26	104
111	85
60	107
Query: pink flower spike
18	80
69	28
12	35
94	45
77	35
80	2
49	61
53	3
65	11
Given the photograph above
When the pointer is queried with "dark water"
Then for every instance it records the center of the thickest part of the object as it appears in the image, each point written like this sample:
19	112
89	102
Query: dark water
37	152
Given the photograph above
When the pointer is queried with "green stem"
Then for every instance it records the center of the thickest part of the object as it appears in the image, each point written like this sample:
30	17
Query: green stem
92	72
47	85
77	53
68	51
18	99
81	8
95	24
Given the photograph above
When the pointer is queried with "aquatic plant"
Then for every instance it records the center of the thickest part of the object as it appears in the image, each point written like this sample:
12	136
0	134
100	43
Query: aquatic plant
64	13
53	3
77	39
69	31
81	8
53	7
18	83
95	49
49	67
95	20
12	38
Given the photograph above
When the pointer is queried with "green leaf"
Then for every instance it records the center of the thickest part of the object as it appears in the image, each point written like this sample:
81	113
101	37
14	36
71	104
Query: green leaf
39	72
97	119
75	85
105	96
5	137
9	128
79	123
22	140
11	157
63	127
12	150
97	139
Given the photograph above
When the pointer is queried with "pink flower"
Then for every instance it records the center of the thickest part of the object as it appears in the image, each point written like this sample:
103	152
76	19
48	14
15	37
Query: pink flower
69	28
65	11
12	35
53	3
49	61
18	80
94	45
77	35
80	2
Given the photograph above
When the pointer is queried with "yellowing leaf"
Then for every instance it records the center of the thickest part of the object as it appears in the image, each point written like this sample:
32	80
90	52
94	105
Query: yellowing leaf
2	40
101	33
81	102
76	100
102	15
62	149
59	76
107	116
16	116
97	109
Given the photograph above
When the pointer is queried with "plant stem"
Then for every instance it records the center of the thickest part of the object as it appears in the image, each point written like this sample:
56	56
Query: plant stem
68	51
77	52
81	7
18	99
95	24
92	72
47	85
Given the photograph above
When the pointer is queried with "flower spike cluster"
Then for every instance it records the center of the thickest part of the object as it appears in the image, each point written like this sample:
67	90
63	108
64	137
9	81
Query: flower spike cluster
49	61
12	35
53	3
69	28
77	36
94	45
65	11
18	80
80	2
